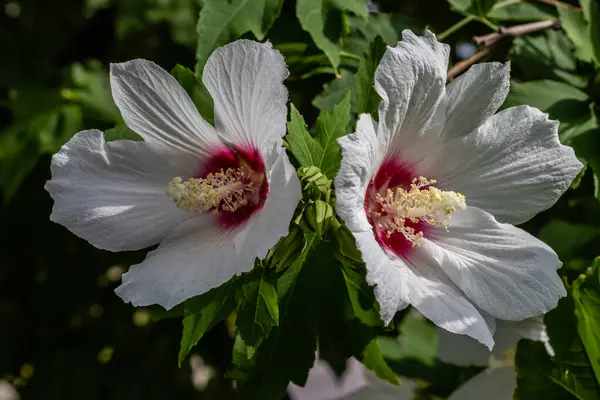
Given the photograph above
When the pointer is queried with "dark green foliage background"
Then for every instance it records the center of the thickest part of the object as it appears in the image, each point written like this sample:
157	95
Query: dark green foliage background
53	82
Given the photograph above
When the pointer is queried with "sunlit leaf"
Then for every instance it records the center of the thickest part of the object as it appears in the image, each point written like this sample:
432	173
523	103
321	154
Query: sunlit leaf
223	21
258	311
300	142
479	8
329	128
577	29
510	10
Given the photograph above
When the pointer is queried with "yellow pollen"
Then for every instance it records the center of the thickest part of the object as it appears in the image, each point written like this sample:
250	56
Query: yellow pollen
421	203
220	191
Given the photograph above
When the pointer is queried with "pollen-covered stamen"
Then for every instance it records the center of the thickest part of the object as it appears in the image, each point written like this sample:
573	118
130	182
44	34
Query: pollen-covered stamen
226	190
421	203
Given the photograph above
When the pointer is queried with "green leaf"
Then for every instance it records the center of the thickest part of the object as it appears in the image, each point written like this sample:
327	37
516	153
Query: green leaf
321	151
586	145
258	311
322	19
348	319
563	102
509	10
243	361
575	121
358	7
546	56
223	21
92	91
373	360
591	13
287	280
387	25
318	215
362	299
566	238
568	374
478	8
577	30
367	98
543	94
314	17
329	128
203	312
539	378
301	144
41	126
195	88
121	132
288	352
313	177
586	296
418	341
335	90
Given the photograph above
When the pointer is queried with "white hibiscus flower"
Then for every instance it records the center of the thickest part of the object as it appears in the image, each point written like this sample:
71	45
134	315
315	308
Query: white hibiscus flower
214	198
499	380
429	191
356	383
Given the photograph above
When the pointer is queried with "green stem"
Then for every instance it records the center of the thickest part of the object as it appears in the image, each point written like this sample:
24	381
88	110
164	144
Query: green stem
350	55
455	27
488	23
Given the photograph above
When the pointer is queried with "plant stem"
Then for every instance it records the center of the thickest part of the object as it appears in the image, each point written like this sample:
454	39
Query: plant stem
455	27
350	55
487	42
557	3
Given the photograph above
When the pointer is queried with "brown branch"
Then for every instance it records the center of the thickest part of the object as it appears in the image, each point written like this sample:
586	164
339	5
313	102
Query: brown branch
487	42
556	3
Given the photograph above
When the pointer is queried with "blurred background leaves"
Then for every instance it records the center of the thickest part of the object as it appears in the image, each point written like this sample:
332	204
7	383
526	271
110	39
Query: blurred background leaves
63	332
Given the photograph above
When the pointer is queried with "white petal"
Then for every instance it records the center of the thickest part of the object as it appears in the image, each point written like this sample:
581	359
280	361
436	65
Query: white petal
390	276
534	329
461	350
154	105
491	384
434	295
189	262
475	96
411	80
113	194
197	257
245	79
360	156
272	222
513	166
323	384
357	383
422	283
464	351
502	269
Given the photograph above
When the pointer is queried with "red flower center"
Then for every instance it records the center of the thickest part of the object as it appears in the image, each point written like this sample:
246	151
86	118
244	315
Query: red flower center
252	174
391	175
